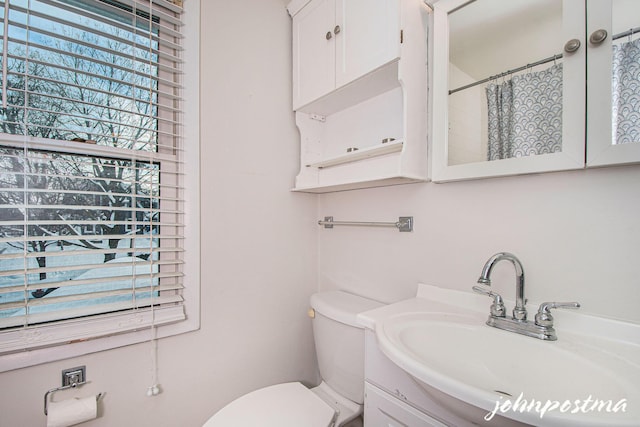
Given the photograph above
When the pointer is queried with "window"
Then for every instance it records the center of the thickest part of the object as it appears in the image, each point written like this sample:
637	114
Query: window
92	176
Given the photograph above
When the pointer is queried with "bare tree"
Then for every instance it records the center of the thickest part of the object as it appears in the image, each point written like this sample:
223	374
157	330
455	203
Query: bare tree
79	91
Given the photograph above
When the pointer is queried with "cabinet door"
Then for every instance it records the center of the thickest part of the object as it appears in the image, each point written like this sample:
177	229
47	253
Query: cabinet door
613	110
369	36
532	118
383	410
313	52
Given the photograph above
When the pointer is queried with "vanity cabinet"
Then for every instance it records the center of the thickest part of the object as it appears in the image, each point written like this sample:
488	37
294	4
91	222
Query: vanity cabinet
393	399
385	410
359	92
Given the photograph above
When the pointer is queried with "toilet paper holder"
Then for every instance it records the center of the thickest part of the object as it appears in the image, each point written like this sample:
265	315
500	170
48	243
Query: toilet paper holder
71	378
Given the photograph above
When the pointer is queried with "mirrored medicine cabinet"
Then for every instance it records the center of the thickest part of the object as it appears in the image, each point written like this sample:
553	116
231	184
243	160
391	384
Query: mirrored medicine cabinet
509	84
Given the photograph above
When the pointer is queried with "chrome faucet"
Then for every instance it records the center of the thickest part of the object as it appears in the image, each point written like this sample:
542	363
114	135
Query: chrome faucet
519	311
541	328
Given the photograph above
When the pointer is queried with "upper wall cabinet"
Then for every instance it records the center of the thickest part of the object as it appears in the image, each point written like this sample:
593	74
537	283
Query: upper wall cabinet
509	82
359	92
337	41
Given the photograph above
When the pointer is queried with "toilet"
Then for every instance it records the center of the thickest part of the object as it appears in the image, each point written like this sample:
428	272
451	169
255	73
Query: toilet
338	399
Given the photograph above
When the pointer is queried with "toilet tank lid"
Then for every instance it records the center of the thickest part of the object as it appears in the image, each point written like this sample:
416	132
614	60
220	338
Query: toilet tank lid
341	306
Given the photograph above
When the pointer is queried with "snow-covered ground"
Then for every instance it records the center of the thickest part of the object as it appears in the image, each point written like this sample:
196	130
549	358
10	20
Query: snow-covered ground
123	265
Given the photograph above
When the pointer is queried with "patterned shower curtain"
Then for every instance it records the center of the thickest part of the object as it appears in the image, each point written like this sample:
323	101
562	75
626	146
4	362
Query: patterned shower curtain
626	92
525	115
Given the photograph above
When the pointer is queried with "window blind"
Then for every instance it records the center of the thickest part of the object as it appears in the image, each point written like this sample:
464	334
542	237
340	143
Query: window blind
91	169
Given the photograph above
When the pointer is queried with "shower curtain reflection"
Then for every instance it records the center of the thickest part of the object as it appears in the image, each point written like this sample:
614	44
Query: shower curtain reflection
626	92
525	115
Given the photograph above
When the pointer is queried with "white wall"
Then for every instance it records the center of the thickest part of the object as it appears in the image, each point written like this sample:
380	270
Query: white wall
577	234
468	117
493	36
258	248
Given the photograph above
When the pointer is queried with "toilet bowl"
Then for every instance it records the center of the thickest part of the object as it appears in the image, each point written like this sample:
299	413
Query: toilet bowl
338	399
286	405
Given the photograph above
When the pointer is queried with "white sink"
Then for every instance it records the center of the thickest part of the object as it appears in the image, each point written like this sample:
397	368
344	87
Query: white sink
470	367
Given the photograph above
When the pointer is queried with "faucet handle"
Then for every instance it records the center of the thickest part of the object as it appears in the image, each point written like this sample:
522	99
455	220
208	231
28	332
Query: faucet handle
544	317
497	308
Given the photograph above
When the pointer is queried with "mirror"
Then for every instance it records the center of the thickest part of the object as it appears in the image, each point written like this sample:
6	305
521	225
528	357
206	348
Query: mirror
509	86
615	64
499	105
505	92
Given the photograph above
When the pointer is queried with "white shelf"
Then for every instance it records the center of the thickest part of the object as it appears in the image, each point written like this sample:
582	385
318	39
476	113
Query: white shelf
372	183
368	86
364	153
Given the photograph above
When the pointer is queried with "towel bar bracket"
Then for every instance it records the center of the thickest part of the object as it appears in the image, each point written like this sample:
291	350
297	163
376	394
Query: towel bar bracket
405	224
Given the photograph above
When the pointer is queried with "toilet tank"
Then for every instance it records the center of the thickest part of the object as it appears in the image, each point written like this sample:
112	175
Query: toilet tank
339	341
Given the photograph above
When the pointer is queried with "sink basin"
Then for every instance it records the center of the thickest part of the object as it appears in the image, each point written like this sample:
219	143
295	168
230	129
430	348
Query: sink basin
470	368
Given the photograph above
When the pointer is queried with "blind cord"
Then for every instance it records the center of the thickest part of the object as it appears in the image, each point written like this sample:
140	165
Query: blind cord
154	389
5	50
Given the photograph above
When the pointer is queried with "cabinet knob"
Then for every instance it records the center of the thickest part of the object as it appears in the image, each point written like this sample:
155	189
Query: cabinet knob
328	35
336	30
598	36
572	45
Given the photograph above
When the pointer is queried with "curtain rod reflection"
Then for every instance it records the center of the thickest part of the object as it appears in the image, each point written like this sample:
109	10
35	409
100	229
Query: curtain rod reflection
630	32
508	72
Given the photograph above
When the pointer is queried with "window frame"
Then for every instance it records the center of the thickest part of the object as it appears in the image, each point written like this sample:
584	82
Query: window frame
123	327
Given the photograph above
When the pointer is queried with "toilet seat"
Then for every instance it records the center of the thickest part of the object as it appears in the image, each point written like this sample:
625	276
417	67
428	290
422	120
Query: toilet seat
280	405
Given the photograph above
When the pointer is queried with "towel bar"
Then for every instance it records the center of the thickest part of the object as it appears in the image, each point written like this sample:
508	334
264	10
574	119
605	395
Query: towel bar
404	223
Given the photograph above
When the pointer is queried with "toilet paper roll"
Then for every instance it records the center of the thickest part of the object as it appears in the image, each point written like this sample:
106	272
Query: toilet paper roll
72	411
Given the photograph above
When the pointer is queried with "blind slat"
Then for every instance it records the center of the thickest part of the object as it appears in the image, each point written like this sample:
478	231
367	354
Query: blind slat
88	237
167	277
129	24
91	150
87	252
88	311
164	94
137	162
139	295
96	267
126	67
102	149
168	57
44	224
